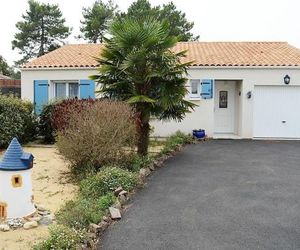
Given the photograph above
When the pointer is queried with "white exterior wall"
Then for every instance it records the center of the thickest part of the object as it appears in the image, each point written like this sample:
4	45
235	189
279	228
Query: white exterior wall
203	116
18	199
29	75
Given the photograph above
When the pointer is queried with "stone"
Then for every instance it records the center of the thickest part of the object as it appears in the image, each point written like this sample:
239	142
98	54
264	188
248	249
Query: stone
114	213
30	224
4	228
103	225
94	228
123	192
43	213
41	208
47	220
152	167
118	190
144	172
36	218
15	223
105	218
122	199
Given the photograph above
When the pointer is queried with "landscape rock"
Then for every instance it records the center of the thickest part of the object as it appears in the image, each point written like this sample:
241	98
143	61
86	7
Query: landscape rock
122	199
4	228
15	223
103	225
94	228
43	213
41	208
35	218
30	224
118	190
114	213
123	192
46	220
105	218
152	167
144	172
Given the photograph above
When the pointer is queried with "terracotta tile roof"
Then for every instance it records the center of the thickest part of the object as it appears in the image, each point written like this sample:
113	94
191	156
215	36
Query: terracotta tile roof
223	54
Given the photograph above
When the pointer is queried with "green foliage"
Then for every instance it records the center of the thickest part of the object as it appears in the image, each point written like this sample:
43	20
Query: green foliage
176	140
16	119
179	25
41	30
96	20
108	180
140	162
46	128
78	214
61	238
137	65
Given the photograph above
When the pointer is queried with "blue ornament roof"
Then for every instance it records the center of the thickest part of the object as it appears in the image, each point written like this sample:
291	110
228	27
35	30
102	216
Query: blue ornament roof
15	158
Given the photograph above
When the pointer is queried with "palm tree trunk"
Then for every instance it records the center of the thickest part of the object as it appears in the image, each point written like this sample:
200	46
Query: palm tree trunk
143	130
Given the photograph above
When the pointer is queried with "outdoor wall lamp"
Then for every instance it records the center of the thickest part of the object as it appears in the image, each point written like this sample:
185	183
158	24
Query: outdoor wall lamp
249	94
287	79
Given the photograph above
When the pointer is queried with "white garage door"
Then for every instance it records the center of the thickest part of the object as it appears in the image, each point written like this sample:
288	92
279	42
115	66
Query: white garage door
276	112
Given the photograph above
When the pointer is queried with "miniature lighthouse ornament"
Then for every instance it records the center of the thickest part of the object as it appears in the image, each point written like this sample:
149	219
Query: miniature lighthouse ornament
16	199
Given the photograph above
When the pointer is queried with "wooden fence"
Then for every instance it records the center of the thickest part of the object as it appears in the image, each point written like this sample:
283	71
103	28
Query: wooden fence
12	86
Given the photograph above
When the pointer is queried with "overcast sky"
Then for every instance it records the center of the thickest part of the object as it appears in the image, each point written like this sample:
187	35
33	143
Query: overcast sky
215	20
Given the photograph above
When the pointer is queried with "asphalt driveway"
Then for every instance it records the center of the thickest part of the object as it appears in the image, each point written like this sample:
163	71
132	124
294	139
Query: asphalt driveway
221	194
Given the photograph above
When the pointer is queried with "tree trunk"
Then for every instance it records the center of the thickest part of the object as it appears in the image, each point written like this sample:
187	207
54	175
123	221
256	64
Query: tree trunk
42	51
143	130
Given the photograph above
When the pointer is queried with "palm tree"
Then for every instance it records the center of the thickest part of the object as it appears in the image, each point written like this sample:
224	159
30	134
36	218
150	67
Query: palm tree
137	65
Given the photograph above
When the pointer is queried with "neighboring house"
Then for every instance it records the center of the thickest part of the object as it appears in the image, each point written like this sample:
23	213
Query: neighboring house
10	86
242	89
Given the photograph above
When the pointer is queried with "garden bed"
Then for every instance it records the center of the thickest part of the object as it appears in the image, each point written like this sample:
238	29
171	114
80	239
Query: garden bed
51	188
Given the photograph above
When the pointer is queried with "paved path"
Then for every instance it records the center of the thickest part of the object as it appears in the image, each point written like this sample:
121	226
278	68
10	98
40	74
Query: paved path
224	194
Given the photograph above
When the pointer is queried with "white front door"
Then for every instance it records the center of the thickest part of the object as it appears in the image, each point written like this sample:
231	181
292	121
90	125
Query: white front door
224	106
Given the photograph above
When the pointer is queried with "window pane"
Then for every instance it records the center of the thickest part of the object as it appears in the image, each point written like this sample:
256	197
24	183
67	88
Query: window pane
60	90
73	90
194	86
223	99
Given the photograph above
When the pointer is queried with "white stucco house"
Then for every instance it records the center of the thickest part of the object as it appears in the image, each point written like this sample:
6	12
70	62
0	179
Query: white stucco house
242	89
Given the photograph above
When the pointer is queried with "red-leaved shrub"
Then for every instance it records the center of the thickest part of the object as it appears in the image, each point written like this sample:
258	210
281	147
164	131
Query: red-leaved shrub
63	110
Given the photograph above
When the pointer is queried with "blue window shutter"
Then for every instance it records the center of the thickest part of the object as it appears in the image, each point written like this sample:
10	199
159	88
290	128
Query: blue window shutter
87	89
207	89
41	89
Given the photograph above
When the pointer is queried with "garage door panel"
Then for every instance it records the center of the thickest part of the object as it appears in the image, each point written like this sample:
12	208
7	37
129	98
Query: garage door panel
276	112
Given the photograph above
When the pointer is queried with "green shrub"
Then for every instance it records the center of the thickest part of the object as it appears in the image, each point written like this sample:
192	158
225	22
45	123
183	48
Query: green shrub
176	140
61	238
81	212
16	119
139	162
46	128
99	136
108	180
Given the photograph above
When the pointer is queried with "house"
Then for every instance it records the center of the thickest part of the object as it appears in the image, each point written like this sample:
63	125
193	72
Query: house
16	199
242	89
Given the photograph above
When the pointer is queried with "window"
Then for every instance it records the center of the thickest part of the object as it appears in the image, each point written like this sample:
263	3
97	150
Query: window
16	181
223	99
66	90
194	88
